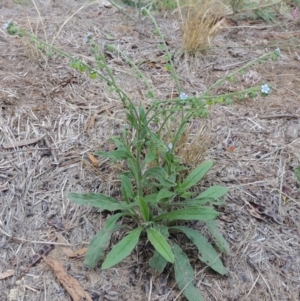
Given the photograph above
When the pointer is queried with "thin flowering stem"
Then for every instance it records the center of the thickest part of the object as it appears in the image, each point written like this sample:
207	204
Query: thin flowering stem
135	67
173	72
221	80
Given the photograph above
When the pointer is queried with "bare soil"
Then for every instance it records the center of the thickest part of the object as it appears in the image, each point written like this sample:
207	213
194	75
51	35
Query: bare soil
71	117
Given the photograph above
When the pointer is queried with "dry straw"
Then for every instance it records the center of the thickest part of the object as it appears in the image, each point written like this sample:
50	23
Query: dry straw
201	23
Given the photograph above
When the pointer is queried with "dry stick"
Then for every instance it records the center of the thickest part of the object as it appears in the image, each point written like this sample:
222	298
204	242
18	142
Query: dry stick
253	286
25	150
279	116
22	142
280	189
150	289
69	18
40	17
78	10
51	150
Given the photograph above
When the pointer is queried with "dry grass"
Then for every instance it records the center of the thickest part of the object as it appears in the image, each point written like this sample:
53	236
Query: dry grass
201	23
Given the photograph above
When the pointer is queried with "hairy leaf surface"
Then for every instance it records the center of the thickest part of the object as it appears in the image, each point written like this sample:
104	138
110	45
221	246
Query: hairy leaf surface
122	249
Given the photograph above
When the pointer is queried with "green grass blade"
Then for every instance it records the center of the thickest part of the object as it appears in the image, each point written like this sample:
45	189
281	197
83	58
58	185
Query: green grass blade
98	200
220	241
195	176
122	249
160	244
193	213
184	275
158	262
207	254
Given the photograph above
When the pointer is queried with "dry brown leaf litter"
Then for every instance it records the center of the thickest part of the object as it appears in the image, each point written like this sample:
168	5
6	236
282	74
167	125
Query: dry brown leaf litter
253	155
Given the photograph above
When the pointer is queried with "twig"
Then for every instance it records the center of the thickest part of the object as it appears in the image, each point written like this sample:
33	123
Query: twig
22	142
279	116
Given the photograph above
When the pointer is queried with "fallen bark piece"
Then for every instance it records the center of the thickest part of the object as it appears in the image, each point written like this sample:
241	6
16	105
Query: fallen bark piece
69	283
67	250
6	274
77	253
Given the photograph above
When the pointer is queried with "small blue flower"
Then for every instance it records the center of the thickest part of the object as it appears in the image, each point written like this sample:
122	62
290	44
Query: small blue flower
170	146
183	96
265	89
277	51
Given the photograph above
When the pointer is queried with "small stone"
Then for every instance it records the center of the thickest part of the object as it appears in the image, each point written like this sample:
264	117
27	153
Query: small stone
292	131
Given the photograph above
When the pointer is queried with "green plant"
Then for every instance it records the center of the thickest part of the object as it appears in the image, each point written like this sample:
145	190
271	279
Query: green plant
156	188
297	173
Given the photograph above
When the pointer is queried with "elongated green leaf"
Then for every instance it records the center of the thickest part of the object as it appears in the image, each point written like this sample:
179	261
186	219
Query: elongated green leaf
98	200
151	156
143	208
151	198
160	175
122	249
184	275
163	230
111	221
116	155
158	262
220	241
164	194
126	189
207	254
133	168
195	176
160	244
192	213
96	247
132	120
213	192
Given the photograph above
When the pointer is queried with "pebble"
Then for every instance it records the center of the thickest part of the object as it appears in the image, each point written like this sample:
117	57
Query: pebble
293	131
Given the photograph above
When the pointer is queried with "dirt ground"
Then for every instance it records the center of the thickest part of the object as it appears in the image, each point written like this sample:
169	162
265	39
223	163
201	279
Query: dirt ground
71	117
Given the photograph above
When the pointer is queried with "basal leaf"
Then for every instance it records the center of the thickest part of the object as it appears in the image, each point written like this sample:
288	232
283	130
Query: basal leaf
116	155
163	230
200	213
207	254
213	192
96	247
158	262
111	221
144	209
98	200
184	275
164	194
160	244
220	241
122	249
151	198
195	176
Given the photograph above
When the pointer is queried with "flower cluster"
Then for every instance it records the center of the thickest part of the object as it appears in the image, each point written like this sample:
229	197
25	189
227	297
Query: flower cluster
265	89
183	96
